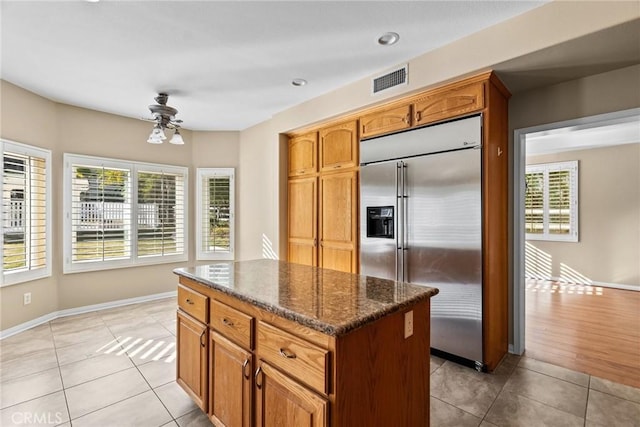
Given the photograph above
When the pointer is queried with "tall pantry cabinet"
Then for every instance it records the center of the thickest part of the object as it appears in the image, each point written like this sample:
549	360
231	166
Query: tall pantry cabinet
323	198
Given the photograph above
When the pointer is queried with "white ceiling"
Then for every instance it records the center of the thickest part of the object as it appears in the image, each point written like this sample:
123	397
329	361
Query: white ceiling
225	65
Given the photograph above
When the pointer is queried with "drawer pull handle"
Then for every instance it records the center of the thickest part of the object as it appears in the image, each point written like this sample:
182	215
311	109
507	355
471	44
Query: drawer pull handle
246	374
258	371
287	354
189	301
227	322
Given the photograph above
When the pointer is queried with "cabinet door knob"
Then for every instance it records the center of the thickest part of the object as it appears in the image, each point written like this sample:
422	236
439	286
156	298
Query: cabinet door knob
285	353
258	371
227	322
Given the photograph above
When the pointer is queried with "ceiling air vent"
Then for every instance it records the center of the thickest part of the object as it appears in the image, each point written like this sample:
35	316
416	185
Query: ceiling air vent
392	79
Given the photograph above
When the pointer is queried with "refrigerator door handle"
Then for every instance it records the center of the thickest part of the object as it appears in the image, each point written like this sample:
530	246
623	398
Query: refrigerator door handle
405	224
398	222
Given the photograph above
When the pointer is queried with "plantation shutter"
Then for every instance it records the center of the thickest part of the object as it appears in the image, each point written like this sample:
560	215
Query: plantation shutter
559	202
100	213
534	203
215	213
24	212
161	213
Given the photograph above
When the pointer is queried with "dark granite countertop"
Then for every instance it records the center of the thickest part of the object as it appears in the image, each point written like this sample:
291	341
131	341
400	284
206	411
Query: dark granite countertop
329	301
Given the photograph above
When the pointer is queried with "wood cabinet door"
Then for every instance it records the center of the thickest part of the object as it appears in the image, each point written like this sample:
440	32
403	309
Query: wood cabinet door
390	120
192	358
338	222
449	103
230	387
281	401
303	154
339	146
303	214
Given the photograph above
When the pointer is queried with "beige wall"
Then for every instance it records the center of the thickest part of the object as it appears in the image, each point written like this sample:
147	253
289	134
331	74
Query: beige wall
28	118
609	216
34	120
213	150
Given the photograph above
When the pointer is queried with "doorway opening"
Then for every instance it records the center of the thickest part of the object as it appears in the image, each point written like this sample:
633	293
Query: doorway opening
577	242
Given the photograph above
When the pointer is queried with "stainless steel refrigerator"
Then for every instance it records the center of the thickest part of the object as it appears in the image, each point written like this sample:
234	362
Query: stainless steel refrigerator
421	222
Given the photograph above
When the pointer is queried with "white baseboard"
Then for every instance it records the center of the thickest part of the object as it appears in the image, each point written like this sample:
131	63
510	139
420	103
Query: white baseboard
593	283
80	310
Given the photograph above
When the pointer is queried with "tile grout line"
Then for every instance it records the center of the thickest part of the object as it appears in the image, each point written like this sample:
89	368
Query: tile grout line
551	376
484	417
64	390
154	391
586	406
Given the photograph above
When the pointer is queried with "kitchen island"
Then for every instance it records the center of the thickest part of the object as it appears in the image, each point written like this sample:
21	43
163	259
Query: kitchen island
273	343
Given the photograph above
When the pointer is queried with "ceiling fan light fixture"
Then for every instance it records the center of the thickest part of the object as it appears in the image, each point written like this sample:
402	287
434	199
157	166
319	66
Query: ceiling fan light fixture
177	138
164	117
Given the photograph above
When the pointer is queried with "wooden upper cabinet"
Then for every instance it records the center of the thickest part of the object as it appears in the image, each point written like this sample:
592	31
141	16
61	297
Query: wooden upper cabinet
385	121
303	154
449	103
339	146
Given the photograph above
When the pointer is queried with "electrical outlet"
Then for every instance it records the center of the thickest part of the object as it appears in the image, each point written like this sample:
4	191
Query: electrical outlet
27	298
408	324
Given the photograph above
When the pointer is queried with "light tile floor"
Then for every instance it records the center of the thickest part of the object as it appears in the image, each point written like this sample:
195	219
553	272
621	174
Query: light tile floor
116	368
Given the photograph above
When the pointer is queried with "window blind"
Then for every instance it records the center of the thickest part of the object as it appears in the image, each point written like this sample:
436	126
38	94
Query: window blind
534	203
100	213
161	213
25	213
215	220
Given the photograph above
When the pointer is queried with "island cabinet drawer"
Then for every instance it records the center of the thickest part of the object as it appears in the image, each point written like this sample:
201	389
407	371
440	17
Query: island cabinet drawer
232	323
193	303
299	358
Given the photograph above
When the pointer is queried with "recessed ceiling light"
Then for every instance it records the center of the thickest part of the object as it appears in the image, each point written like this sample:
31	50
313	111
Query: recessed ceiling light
298	82
387	39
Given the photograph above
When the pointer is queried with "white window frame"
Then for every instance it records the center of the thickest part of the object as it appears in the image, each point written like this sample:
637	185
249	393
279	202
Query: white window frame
25	275
201	174
133	260
545	168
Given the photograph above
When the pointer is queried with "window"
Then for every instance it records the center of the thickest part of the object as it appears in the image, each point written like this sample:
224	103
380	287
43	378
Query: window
26	213
551	202
103	226
215	213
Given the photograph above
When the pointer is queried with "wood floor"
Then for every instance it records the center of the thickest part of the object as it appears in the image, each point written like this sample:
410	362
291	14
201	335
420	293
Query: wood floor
589	329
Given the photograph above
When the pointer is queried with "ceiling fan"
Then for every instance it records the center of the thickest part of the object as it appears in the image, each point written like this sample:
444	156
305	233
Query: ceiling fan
164	118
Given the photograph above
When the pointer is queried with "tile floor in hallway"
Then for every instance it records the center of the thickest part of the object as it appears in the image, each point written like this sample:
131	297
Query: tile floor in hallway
116	368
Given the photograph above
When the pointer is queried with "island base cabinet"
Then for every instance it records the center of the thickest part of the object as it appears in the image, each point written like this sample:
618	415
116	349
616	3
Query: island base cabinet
230	383
192	358
281	401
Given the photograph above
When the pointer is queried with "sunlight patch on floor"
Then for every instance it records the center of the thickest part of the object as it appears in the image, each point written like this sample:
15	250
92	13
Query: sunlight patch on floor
131	347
